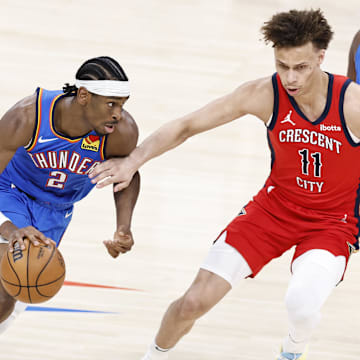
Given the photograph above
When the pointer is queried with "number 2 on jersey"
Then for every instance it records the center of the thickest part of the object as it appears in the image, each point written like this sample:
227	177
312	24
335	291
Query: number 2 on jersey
57	180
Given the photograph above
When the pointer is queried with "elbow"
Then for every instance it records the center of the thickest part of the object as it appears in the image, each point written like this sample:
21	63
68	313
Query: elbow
185	132
183	137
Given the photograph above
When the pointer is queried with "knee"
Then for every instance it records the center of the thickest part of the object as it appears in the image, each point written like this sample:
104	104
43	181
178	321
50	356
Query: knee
192	306
300	305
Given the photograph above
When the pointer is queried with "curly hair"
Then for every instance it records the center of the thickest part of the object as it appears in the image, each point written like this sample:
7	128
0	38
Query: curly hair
296	28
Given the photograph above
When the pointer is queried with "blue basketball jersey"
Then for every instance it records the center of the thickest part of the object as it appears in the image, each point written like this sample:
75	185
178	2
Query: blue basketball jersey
53	168
357	64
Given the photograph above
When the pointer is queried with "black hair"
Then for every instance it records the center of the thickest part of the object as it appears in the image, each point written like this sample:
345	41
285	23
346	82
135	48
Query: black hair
99	68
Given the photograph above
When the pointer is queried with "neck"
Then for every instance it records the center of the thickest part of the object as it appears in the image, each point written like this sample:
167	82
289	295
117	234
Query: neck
318	88
313	102
69	119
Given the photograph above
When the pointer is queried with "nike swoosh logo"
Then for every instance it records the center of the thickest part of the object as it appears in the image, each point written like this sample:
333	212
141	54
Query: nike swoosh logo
41	140
67	215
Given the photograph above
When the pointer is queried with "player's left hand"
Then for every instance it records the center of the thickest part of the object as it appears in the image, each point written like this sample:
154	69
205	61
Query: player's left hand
122	243
115	170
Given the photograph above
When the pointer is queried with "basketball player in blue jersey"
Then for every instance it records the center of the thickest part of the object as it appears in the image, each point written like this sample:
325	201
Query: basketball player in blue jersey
353	71
49	143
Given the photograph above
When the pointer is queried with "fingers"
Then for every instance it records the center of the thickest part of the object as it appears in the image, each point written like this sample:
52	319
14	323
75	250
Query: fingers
37	237
108	181
114	248
51	242
121	244
102	171
21	245
33	239
111	250
120	186
102	176
125	241
33	235
106	165
116	170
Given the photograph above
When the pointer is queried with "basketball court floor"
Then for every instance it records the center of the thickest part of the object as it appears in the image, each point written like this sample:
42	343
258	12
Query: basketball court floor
179	55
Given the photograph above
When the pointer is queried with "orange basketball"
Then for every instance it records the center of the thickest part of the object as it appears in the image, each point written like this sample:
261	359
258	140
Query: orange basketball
33	275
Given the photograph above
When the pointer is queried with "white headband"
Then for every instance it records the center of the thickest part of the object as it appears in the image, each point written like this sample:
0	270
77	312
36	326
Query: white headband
105	87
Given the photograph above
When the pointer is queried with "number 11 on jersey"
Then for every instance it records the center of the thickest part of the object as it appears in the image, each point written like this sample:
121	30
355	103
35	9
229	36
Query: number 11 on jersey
305	170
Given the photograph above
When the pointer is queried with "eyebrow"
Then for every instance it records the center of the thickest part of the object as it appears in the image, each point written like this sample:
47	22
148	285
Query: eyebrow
117	97
296	65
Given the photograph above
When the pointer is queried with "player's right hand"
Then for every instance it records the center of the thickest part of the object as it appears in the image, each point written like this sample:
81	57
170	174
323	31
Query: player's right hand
17	235
122	243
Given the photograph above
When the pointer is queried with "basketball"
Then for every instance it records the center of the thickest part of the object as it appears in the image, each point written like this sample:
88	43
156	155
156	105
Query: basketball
33	275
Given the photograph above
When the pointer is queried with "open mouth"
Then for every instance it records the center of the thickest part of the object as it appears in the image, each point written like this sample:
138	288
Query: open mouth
292	91
109	128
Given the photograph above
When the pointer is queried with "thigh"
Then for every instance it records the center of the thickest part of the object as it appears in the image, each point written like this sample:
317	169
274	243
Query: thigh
225	261
333	265
23	211
333	239
51	222
14	205
263	230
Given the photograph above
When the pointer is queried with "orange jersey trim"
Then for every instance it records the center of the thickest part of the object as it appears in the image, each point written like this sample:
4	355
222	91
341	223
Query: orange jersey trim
38	121
51	112
102	148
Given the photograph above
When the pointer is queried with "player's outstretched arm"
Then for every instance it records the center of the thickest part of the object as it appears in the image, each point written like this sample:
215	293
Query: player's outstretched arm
254	97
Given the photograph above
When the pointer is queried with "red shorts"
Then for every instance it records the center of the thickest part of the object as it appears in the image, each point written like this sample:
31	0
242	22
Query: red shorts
269	225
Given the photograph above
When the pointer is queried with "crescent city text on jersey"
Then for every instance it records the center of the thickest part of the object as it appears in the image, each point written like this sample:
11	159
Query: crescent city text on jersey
307	136
64	160
316	138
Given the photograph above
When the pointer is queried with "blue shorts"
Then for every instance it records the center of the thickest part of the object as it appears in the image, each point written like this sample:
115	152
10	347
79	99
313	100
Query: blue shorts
23	210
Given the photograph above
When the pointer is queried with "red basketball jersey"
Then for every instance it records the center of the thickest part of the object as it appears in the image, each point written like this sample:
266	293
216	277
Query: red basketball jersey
315	164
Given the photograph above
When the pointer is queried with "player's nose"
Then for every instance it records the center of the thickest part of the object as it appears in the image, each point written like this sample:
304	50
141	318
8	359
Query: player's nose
291	77
116	115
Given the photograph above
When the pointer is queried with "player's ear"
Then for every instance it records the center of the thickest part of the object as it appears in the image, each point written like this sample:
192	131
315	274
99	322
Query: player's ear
321	56
83	96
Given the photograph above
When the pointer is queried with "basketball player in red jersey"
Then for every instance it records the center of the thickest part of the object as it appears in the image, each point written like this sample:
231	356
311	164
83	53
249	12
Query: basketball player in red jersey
313	125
